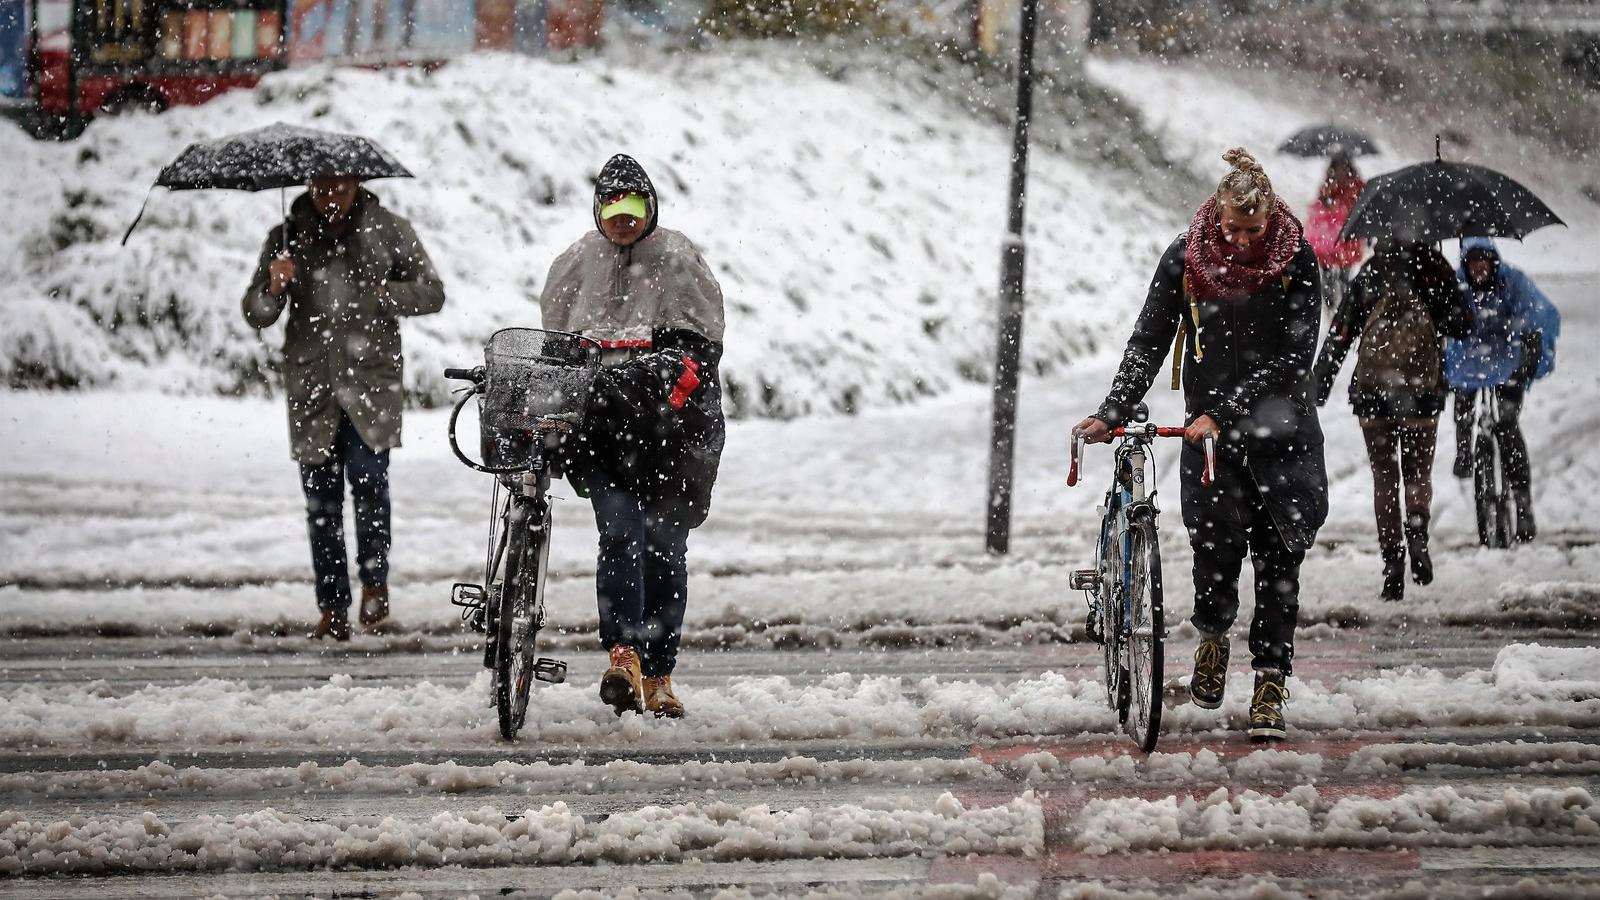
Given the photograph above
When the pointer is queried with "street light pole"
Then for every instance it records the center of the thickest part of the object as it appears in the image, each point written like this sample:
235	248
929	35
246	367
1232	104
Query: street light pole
1002	444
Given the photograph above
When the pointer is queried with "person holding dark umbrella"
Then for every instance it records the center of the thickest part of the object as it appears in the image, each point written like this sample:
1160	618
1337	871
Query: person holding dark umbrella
1400	308
347	270
1514	326
1336	196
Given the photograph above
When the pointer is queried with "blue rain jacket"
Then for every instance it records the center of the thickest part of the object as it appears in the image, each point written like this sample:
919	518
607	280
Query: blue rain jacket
1492	353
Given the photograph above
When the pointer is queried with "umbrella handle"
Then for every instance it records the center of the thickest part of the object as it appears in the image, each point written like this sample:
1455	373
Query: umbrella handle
129	233
283	207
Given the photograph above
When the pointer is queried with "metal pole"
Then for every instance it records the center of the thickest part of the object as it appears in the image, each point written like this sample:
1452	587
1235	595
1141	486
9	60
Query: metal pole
1013	253
77	34
35	72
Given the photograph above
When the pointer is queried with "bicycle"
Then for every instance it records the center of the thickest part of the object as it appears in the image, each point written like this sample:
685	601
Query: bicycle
1491	496
532	389
1124	587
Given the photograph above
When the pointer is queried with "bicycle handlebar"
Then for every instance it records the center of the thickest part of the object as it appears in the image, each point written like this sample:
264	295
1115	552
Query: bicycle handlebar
1208	475
473	374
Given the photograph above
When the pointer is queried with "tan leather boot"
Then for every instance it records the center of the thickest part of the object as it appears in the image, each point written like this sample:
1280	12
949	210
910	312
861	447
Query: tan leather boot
620	685
334	624
659	698
374	603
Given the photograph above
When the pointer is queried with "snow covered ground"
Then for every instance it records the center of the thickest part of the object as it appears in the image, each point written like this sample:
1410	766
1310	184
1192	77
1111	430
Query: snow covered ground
889	710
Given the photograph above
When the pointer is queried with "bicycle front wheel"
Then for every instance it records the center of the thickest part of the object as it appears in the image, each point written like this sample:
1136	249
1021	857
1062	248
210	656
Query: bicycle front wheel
1493	500
521	612
1144	657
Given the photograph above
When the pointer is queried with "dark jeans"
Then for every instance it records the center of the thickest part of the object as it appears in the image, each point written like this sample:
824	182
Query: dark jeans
1241	525
642	580
1513	448
1400	452
368	472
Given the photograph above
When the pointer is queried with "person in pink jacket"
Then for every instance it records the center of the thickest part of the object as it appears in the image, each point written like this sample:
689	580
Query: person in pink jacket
1338	259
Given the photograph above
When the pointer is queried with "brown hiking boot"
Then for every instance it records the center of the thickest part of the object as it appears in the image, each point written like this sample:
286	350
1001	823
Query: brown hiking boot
1266	707
334	624
374	603
659	698
620	686
1210	671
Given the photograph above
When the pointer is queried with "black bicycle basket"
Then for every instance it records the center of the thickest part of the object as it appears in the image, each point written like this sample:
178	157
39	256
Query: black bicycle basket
535	381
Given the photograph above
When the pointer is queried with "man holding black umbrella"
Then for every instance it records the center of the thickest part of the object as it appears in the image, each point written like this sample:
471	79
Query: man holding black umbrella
347	269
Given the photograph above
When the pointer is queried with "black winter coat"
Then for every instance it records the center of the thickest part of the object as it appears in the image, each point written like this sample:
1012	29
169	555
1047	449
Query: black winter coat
1252	378
655	428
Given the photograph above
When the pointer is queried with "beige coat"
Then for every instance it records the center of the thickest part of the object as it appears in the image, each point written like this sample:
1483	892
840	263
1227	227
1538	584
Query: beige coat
341	346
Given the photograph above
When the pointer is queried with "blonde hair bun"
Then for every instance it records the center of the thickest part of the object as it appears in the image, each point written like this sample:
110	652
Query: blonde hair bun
1240	158
1246	187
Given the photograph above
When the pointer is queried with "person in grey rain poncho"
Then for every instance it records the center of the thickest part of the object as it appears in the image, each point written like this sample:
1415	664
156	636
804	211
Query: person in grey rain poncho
647	456
352	270
1240	293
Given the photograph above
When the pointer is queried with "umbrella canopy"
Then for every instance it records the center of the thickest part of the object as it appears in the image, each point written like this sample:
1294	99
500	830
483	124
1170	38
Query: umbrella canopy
1328	140
1438	201
277	156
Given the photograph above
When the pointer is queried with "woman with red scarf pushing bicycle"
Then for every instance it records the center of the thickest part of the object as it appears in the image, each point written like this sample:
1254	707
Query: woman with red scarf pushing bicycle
1235	299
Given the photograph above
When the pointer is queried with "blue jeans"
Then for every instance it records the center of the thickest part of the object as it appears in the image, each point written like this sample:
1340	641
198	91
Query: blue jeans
368	472
642	580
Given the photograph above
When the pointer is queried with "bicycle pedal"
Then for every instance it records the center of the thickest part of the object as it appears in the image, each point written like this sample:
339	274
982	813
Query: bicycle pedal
1084	580
550	671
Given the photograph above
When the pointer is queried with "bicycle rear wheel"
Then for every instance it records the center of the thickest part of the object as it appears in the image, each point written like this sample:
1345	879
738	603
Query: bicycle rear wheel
521	612
1144	656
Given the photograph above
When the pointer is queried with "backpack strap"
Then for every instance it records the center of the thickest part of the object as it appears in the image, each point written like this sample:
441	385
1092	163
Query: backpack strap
1183	333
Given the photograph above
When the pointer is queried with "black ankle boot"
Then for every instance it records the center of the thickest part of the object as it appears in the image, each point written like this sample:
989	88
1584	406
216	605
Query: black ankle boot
1394	573
1417	547
1463	462
1527	529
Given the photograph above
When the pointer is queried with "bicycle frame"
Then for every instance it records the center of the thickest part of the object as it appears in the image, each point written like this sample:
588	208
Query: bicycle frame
1130	498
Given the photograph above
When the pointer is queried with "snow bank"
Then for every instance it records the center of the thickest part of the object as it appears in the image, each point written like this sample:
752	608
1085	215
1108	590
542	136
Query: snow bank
1559	673
159	778
851	202
551	835
1303	817
342	715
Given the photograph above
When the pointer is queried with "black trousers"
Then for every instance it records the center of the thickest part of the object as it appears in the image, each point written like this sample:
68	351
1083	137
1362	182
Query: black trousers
367	470
1233	522
1513	447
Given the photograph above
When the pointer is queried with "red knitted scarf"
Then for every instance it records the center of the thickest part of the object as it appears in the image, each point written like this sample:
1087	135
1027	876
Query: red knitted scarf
1218	271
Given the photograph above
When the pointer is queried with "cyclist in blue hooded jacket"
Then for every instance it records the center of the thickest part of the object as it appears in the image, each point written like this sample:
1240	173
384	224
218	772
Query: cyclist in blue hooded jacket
1512	343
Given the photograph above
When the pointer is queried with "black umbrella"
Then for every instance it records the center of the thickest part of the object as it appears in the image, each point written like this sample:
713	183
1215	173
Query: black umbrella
1438	201
1328	140
277	156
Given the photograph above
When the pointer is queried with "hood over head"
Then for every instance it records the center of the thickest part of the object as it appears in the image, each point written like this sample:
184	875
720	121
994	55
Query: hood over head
1479	246
622	174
